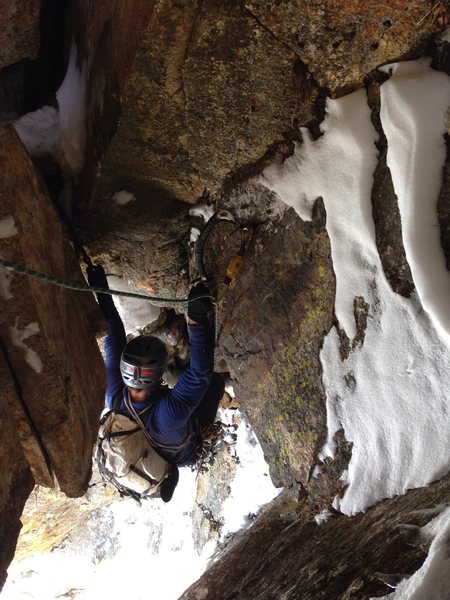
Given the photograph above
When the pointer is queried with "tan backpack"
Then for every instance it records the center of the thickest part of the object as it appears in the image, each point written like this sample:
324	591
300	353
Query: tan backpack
127	458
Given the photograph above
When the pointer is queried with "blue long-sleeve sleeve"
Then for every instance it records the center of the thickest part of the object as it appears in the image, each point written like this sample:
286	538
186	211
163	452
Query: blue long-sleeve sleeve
171	413
114	344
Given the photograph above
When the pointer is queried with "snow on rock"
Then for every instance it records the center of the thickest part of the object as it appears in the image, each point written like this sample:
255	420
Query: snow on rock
347	155
17	338
8	227
60	131
134	312
203	211
432	580
413	106
322	517
252	487
123	197
194	235
39	131
5	281
396	416
71	98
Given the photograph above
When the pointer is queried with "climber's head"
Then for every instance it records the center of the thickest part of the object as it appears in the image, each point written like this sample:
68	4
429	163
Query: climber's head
142	365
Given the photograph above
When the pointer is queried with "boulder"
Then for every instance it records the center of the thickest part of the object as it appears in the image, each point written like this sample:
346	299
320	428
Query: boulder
210	91
272	319
52	354
145	244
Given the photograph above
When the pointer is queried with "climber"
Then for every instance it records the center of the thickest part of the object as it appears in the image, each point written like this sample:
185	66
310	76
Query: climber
181	417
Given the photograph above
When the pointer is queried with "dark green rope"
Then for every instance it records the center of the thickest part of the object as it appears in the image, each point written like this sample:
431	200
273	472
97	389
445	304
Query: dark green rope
10	266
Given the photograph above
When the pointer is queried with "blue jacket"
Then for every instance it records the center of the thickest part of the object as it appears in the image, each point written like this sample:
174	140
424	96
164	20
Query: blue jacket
168	422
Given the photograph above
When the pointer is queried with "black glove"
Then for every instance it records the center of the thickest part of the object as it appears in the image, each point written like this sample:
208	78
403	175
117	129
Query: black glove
97	278
198	308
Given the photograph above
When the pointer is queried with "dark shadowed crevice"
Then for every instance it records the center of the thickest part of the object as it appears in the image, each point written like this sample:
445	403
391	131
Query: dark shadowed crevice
30	84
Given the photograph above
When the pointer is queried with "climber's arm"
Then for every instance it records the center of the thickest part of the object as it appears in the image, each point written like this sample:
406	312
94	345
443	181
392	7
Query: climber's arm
175	410
115	340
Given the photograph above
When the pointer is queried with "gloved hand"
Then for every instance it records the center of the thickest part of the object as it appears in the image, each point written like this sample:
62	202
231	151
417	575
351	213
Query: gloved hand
198	308
97	276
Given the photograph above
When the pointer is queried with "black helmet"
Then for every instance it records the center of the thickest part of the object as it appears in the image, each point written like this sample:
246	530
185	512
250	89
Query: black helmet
143	362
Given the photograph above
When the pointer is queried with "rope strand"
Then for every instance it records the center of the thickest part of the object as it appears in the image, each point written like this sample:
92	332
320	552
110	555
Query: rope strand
11	266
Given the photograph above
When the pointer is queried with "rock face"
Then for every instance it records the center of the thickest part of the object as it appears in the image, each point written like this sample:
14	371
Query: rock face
106	34
146	246
341	42
16	477
285	554
198	106
187	100
52	373
279	378
19	31
216	86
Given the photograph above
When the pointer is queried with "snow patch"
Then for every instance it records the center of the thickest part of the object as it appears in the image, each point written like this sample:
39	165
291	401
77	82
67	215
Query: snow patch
252	487
39	131
195	232
397	414
123	197
322	517
203	211
18	336
8	228
134	312
413	106
316	472
71	98
230	390
5	282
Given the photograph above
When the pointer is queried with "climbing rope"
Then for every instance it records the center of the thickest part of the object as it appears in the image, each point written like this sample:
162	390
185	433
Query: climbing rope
220	217
210	225
11	266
